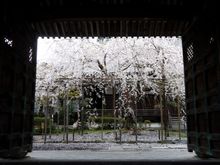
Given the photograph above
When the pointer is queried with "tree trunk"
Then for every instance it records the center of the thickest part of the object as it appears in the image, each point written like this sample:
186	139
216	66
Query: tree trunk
179	121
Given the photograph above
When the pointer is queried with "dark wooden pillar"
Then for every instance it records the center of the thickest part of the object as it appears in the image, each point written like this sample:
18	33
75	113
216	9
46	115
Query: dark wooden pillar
17	85
202	80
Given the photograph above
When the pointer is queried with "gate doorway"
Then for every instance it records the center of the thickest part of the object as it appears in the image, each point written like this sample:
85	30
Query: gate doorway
196	21
108	90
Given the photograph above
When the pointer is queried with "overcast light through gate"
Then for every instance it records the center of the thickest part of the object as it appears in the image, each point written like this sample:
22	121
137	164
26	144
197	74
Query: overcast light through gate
77	57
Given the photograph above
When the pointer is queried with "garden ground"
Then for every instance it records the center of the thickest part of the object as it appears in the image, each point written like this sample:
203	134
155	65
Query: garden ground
92	140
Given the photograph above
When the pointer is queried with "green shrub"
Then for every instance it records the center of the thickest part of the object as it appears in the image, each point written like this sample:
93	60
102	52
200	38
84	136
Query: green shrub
147	123
108	122
39	125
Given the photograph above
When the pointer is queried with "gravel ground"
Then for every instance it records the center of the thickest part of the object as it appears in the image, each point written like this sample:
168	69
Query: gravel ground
145	136
71	146
106	146
146	140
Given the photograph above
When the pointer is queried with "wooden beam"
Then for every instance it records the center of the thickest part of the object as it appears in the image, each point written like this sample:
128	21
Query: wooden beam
86	28
66	28
49	29
91	28
115	29
145	30
57	33
97	28
121	28
126	28
44	29
103	28
79	28
109	28
62	29
138	28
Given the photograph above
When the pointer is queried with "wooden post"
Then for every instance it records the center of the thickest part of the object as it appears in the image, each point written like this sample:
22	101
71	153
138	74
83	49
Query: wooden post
73	134
67	121
102	118
103	95
82	112
82	122
64	119
159	134
120	134
179	121
50	121
45	119
136	130
113	103
161	114
58	118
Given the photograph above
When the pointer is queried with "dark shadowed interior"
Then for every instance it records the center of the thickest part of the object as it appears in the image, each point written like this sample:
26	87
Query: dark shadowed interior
23	21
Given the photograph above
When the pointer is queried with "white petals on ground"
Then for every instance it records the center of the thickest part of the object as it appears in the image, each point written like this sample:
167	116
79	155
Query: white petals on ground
94	142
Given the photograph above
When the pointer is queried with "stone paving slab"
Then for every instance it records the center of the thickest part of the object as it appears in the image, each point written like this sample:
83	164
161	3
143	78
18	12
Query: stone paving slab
153	156
115	154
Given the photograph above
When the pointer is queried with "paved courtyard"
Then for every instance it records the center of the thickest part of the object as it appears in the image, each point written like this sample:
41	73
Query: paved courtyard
115	153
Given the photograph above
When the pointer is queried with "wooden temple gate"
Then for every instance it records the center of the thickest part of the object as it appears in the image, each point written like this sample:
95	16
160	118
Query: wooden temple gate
23	21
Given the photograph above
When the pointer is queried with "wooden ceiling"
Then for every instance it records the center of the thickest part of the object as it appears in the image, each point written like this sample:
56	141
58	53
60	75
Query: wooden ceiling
105	18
